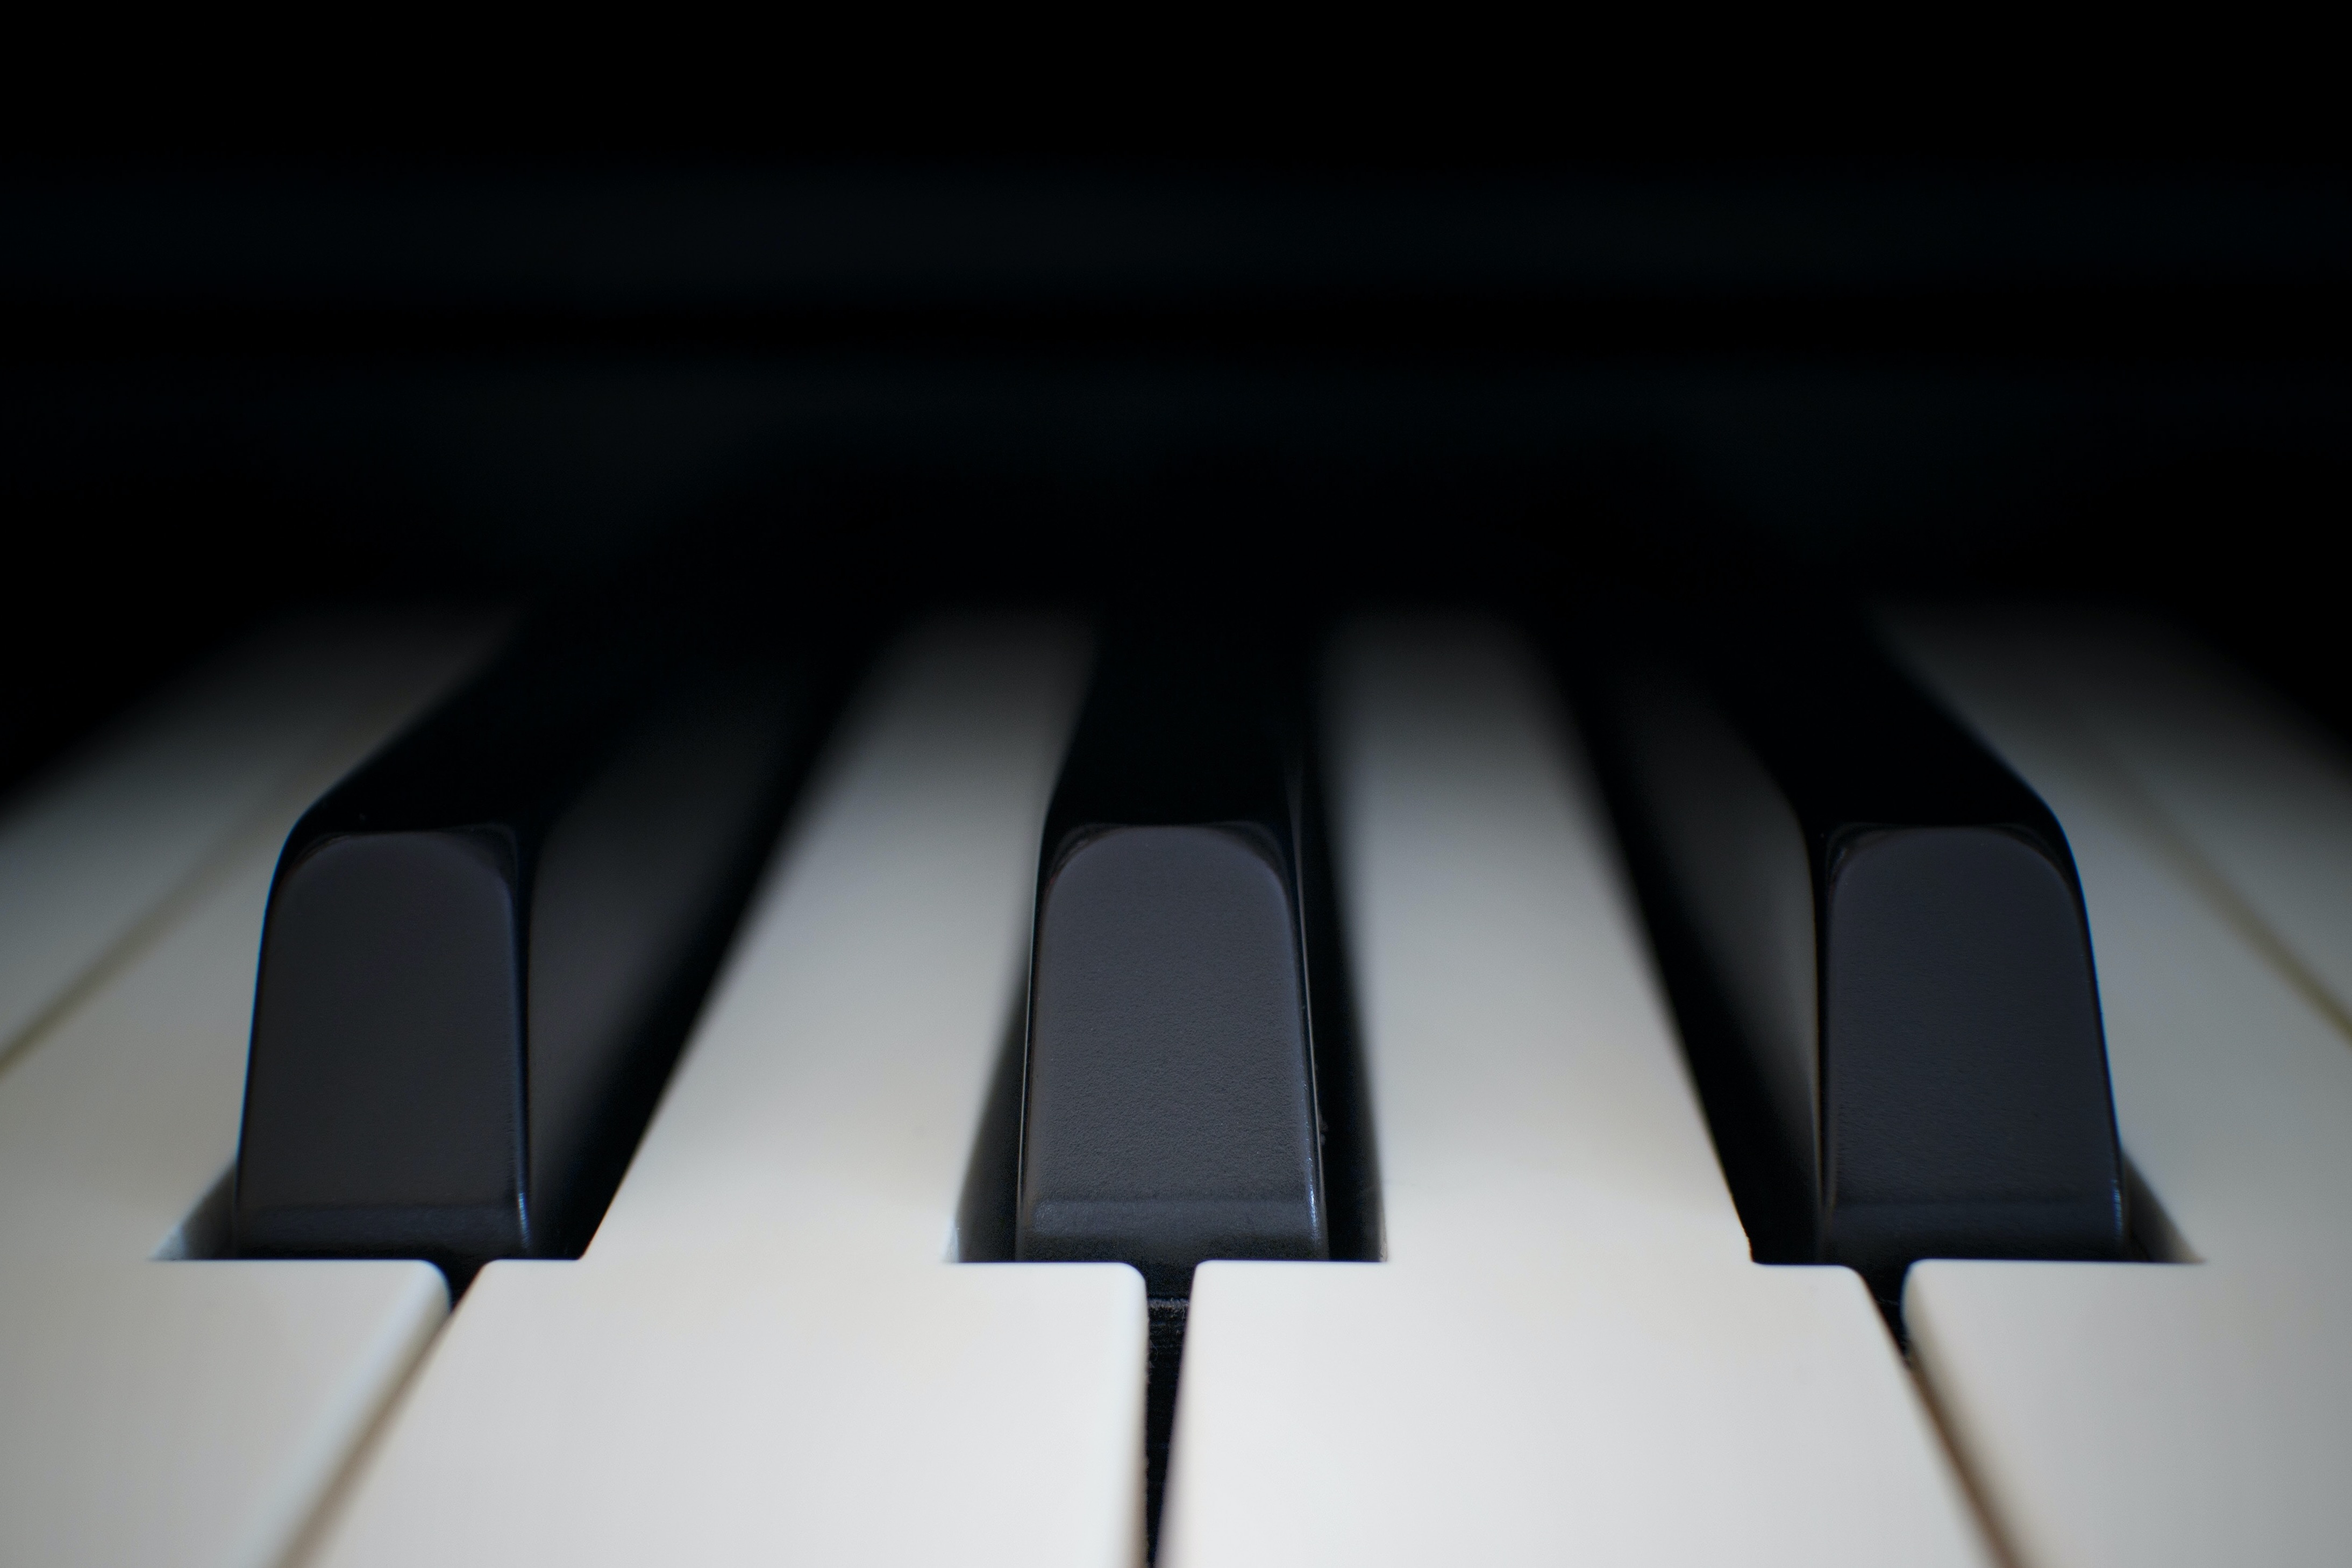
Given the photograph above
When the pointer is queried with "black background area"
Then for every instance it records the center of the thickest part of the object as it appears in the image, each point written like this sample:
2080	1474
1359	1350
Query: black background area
1284	380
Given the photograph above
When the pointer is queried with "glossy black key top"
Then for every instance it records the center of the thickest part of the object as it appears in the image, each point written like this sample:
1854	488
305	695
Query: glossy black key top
483	949
1178	1005
1189	1088
1877	946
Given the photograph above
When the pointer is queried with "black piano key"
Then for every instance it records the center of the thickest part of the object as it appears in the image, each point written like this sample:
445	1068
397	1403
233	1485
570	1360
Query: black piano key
1189	1088
1877	946
483	948
1170	1110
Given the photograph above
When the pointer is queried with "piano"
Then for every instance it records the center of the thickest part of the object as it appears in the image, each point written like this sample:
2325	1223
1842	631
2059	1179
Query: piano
1098	868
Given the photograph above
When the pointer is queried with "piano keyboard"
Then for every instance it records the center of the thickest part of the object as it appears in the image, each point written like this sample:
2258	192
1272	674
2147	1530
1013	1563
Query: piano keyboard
796	1337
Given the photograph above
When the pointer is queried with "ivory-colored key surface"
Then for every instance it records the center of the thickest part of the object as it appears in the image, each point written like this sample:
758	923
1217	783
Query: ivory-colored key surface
764	1355
191	1413
2155	1414
188	1413
2251	789
93	845
1568	1356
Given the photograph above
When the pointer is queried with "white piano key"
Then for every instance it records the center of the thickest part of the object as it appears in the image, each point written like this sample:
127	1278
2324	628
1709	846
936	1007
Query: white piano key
2257	794
2232	1084
1568	1355
764	1355
2151	1414
119	1121
829	1095
93	847
2146	1416
188	1411
191	1413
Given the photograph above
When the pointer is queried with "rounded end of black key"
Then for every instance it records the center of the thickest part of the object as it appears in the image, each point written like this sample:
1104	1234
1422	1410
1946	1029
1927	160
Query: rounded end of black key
485	948
1170	1113
1966	1111
1876	945
383	1087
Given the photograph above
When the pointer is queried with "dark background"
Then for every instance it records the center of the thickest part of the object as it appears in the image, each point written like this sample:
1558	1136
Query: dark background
236	375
